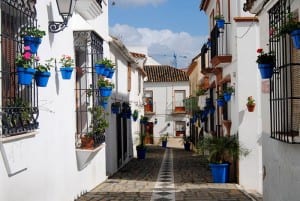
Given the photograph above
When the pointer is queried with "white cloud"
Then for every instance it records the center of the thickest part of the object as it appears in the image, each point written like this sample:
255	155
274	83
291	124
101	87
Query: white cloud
162	44
131	3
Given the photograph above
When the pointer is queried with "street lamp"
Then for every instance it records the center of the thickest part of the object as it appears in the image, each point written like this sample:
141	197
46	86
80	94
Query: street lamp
65	9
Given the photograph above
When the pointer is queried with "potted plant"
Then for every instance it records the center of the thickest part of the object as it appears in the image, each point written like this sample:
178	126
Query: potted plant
116	108
144	120
42	73
95	136
66	69
220	150
250	104
126	110
164	140
291	27
200	92
266	63
220	100
220	21
24	63
135	115
141	148
186	142
32	37
105	67
227	92
105	87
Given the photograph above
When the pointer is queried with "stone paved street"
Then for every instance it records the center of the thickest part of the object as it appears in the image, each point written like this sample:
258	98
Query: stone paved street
138	180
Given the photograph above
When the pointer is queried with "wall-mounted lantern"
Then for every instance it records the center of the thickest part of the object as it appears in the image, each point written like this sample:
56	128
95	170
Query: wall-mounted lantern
168	124
65	9
155	121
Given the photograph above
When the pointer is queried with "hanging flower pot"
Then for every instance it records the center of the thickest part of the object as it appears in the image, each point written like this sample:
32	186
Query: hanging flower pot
105	91
41	78
250	104
66	72
251	108
266	70
227	96
106	72
99	68
295	35
110	73
220	102
220	23
25	75
33	43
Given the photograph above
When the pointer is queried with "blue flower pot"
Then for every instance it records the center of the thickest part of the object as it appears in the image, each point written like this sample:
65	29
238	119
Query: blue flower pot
220	23
104	104
141	153
105	91
41	78
227	96
110	73
99	68
33	43
220	102
115	110
266	70
106	71
25	75
66	72
187	146
220	172
296	38
164	144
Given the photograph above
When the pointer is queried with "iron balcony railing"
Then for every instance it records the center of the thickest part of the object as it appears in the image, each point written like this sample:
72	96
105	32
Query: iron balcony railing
220	41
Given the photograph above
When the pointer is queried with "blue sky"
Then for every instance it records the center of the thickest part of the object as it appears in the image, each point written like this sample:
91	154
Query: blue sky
166	27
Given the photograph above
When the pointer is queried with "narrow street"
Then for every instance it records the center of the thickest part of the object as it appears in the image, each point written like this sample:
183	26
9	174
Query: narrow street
165	174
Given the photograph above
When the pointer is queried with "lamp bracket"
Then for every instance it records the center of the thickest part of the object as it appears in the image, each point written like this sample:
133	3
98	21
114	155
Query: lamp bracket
55	27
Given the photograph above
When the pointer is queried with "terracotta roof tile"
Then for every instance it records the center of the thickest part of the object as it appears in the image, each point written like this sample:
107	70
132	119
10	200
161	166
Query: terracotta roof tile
163	73
137	55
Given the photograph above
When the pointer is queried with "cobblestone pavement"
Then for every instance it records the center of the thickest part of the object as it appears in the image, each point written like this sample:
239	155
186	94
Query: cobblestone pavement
138	180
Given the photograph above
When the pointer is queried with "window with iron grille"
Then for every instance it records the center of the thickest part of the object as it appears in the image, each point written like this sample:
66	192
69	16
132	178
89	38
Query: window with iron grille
19	103
88	49
285	82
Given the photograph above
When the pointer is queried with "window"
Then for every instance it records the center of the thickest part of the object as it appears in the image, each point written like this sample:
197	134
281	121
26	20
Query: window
88	49
285	82
179	96
19	103
148	108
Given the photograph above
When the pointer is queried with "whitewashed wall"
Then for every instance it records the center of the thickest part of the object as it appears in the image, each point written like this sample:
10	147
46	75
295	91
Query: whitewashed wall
49	158
163	97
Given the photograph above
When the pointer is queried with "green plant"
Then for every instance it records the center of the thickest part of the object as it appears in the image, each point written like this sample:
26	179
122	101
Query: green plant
22	113
200	92
26	59
105	83
106	62
228	89
186	139
265	58
66	61
98	122
219	17
141	144
135	114
250	100
46	67
164	137
220	149
32	31
220	96
144	119
290	25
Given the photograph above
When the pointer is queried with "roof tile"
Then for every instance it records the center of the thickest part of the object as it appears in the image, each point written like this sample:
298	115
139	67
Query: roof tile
164	73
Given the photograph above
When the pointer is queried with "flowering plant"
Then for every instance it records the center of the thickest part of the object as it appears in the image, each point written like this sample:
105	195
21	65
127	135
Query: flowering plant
250	101
32	31
26	59
265	58
46	67
105	83
66	61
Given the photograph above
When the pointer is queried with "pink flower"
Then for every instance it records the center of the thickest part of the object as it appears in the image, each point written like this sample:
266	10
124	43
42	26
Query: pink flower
259	50
27	48
27	55
37	58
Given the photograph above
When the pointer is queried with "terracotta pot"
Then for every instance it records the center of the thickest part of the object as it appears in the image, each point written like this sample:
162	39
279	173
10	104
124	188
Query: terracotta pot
227	125
87	142
251	108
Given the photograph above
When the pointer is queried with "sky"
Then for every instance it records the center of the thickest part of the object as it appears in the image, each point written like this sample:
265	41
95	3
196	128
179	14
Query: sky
167	28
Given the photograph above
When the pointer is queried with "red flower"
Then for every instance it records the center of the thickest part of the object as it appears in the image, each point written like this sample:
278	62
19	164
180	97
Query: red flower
259	50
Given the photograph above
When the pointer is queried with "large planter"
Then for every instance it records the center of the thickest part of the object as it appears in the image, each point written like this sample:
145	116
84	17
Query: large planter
25	75
33	43
220	172
266	70
220	23
66	72
187	146
105	91
164	144
295	35
141	152
99	68
41	78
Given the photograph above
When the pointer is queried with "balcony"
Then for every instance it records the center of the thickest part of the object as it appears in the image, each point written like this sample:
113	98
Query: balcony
149	109
178	108
89	9
220	54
